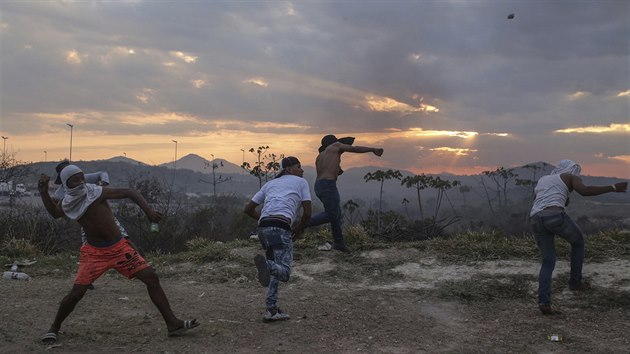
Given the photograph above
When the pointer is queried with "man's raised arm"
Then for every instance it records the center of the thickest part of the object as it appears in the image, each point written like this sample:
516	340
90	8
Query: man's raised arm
360	149
586	191
54	209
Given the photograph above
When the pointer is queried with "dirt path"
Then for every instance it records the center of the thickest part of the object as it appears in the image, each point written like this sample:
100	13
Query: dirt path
380	301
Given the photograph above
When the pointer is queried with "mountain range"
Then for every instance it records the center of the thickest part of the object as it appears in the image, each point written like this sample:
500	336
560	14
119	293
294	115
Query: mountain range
192	174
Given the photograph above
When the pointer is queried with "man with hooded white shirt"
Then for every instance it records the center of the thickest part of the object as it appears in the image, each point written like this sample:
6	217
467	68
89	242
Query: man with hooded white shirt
548	218
105	247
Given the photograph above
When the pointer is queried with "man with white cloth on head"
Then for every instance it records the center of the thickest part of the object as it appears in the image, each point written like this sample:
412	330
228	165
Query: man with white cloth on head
105	248
548	219
99	178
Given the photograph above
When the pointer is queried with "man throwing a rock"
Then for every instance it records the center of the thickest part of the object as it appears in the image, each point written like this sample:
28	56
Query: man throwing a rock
105	247
328	166
548	219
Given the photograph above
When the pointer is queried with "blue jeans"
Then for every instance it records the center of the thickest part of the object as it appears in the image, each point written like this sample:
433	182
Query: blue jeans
546	224
279	251
326	191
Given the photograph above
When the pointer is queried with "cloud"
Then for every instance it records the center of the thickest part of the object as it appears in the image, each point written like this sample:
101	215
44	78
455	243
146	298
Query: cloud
456	151
73	57
419	132
386	104
402	75
199	83
187	58
622	158
577	95
258	81
613	128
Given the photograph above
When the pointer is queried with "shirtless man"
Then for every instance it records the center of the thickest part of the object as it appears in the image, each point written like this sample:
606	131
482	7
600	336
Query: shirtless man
100	178
548	219
105	247
328	166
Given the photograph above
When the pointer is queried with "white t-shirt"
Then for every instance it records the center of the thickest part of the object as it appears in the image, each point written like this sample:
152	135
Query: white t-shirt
550	191
283	196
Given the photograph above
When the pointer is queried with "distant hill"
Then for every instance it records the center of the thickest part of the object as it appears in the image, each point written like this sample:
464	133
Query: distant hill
126	160
194	176
197	163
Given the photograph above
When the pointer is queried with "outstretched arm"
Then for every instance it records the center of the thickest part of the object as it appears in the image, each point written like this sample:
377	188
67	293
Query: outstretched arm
360	149
122	193
54	209
578	186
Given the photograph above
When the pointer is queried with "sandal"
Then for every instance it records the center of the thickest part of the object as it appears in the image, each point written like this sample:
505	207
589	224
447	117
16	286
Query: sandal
49	338
188	324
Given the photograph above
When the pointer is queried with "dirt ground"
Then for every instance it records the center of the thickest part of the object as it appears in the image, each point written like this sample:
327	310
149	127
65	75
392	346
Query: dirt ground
381	301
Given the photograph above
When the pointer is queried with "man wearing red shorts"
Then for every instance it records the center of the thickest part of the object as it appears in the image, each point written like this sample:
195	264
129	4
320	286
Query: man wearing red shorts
105	247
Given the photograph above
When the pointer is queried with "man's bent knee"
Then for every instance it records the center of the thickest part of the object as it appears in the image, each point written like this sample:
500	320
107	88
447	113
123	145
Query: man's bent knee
148	276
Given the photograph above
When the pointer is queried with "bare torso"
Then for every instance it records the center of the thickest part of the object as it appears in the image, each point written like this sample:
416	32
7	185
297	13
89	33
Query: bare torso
98	222
328	163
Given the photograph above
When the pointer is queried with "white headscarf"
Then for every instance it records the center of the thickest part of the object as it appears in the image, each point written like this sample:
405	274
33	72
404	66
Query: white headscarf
567	166
78	199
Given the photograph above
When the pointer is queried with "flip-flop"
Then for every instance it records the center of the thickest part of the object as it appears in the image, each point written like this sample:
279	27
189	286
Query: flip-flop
188	324
49	338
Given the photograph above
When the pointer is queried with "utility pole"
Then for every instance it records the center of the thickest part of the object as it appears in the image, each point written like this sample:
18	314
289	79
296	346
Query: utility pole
4	145
242	168
175	161
71	127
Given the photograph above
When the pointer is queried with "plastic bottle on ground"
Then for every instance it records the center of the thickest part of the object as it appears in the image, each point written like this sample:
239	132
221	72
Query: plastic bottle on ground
16	276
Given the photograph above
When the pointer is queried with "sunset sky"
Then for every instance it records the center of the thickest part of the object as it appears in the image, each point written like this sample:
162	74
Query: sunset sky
443	86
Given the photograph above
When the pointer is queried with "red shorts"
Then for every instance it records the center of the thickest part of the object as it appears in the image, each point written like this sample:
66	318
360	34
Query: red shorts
94	261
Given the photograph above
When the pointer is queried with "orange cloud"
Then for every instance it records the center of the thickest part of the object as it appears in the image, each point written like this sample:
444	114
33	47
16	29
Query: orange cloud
386	104
622	158
437	133
456	151
613	128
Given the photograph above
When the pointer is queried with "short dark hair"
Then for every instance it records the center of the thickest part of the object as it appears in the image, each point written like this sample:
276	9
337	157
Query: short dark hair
287	162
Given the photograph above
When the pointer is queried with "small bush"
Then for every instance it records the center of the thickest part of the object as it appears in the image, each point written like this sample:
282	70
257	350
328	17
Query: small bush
19	248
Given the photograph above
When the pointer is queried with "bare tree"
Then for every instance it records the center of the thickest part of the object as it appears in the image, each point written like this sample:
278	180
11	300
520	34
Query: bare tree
442	186
381	176
12	170
419	182
215	181
351	207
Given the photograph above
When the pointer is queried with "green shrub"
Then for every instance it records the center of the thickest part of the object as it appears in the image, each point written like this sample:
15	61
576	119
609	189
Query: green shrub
19	248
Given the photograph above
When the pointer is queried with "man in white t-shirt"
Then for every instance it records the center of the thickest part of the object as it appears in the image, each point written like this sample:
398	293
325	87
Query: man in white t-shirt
548	219
281	199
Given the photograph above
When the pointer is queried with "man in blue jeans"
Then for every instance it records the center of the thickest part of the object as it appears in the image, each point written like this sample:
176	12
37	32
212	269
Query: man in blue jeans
328	166
282	198
548	219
